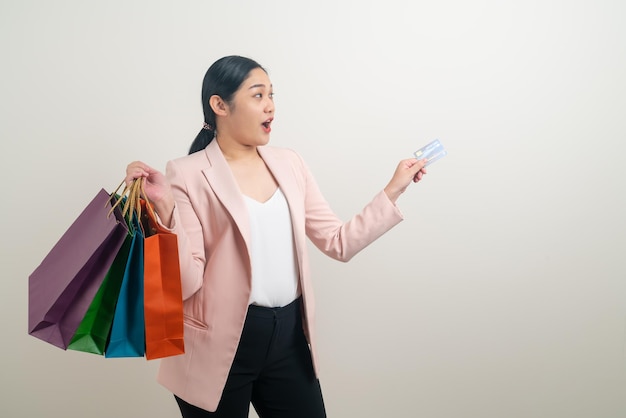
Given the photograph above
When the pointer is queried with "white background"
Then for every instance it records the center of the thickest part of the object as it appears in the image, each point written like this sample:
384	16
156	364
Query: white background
502	294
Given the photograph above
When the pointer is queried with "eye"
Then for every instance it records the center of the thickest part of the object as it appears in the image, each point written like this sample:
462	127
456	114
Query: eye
260	95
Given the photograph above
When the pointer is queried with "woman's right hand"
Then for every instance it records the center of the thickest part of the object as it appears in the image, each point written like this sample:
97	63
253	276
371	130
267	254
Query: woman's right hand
156	186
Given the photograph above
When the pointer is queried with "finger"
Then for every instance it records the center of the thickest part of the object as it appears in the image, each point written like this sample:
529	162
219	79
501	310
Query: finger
419	175
410	162
138	169
134	172
417	166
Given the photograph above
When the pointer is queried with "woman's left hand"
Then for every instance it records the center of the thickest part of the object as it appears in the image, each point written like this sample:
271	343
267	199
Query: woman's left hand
409	170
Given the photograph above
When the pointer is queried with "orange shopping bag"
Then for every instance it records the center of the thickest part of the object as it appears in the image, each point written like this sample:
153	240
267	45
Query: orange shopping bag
163	297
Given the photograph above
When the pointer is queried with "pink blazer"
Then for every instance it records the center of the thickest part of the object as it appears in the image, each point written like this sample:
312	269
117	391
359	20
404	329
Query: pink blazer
211	222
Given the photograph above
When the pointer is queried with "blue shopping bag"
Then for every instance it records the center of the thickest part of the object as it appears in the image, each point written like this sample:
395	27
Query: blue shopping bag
127	337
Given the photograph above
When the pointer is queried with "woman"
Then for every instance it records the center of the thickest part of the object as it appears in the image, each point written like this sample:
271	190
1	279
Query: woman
242	211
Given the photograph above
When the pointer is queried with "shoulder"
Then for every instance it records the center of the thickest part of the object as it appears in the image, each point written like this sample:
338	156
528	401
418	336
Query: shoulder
195	159
185	169
192	162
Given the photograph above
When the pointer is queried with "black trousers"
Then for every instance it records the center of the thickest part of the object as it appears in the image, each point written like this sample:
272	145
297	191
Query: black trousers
272	370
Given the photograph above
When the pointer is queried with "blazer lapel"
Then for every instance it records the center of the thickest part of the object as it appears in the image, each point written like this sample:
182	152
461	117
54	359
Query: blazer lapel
283	173
225	187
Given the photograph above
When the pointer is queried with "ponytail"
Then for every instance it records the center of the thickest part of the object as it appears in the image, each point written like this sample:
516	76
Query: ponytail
204	138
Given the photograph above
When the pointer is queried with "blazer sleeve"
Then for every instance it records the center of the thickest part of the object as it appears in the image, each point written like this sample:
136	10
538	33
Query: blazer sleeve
343	240
188	230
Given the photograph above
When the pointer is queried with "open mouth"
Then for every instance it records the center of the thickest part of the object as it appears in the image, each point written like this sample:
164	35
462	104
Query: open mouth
267	125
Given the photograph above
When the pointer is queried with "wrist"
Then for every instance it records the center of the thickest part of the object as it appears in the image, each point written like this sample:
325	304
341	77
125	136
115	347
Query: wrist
164	208
392	194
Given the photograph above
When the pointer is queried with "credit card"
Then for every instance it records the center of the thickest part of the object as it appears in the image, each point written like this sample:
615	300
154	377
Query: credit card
432	152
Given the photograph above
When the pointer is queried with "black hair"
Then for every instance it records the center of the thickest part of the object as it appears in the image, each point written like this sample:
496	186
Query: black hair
223	78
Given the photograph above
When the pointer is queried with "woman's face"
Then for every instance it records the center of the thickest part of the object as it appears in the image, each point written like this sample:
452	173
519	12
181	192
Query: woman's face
251	112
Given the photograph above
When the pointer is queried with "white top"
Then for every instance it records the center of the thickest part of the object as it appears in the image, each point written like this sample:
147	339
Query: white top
274	271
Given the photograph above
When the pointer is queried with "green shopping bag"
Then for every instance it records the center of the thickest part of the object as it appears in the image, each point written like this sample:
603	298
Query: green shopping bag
93	332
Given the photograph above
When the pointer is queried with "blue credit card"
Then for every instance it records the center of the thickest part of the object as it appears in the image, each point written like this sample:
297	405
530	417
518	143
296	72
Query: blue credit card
432	152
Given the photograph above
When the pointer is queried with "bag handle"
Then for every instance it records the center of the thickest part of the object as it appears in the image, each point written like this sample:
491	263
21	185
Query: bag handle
151	211
132	203
113	194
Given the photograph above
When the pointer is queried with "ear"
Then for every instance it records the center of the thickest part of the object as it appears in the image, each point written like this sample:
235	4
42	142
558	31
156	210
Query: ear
217	104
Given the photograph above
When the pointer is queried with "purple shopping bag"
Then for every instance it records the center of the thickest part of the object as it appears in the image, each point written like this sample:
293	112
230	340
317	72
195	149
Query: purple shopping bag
61	289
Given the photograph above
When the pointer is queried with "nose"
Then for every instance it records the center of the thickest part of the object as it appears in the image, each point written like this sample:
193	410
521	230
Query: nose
269	106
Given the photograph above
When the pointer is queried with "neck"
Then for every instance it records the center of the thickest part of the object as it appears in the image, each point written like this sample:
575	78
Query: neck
233	150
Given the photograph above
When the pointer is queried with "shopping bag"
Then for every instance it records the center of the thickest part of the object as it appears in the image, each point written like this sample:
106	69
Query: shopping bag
163	297
93	332
63	286
126	338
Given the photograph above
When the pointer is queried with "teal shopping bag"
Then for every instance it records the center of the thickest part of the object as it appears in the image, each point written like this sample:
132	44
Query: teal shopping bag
127	337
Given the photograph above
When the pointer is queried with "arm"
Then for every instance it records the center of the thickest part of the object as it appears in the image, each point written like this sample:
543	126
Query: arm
342	241
186	225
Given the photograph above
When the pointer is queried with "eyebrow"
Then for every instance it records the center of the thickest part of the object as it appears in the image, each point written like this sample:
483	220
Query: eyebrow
257	85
